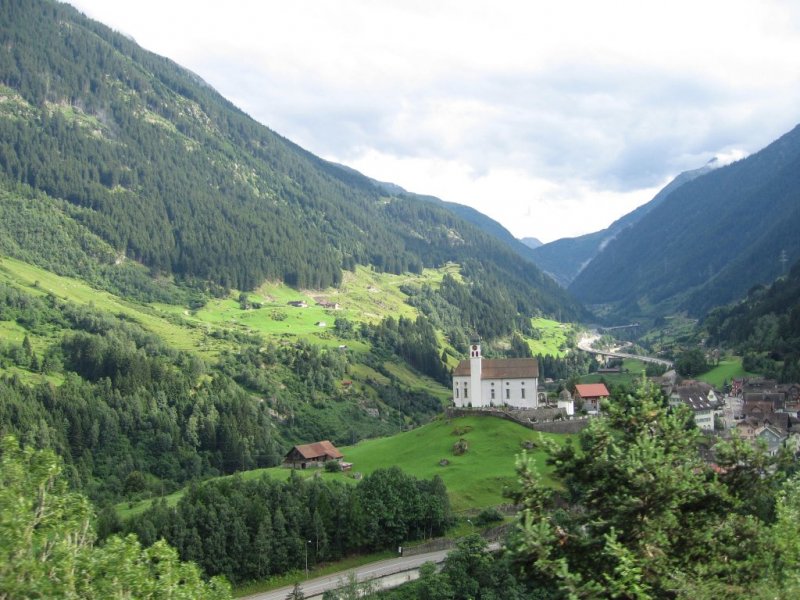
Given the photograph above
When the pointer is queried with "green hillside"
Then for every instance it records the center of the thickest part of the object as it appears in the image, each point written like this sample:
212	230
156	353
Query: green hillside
93	374
763	328
153	237
130	150
475	479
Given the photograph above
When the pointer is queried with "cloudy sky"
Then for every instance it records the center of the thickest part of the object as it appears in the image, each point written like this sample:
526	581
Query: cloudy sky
554	118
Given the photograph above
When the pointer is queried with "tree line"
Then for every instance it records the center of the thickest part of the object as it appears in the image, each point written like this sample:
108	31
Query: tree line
253	529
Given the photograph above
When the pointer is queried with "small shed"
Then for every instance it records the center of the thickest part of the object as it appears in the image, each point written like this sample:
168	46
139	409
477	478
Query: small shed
566	403
311	455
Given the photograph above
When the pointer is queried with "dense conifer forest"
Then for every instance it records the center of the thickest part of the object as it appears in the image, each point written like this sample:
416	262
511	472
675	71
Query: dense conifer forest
764	328
707	243
250	530
171	175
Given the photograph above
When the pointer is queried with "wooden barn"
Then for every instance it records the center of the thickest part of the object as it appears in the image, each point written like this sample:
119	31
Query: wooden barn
311	455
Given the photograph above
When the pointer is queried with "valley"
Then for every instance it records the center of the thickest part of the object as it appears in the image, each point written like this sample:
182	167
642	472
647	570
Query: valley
227	363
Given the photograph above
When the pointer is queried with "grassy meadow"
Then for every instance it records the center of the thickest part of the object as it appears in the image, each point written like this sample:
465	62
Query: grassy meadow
475	479
38	282
552	337
728	368
631	374
363	296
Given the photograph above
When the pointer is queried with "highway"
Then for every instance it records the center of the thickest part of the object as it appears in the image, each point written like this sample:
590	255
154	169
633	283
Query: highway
376	570
585	344
386	574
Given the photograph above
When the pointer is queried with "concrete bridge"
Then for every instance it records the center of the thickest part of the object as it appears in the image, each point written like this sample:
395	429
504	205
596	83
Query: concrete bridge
585	344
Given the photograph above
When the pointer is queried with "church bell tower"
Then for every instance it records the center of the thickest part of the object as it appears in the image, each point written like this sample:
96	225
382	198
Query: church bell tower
475	374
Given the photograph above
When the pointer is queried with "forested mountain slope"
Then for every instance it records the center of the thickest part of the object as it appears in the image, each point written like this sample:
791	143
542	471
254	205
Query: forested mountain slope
170	174
764	327
155	341
711	240
564	259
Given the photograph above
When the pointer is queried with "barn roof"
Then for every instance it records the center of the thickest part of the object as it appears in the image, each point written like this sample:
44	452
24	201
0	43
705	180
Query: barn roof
503	368
591	390
318	449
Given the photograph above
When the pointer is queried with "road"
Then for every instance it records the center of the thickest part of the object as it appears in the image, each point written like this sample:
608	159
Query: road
376	570
585	344
387	574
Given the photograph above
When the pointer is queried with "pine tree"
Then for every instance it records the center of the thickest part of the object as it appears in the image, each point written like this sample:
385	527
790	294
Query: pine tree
641	515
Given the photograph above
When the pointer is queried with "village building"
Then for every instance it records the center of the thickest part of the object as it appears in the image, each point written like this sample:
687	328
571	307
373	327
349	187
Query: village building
704	412
479	382
770	413
591	395
566	403
701	398
773	437
312	455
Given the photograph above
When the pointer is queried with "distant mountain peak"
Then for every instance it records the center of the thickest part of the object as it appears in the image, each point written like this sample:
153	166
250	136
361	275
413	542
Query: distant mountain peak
566	258
531	242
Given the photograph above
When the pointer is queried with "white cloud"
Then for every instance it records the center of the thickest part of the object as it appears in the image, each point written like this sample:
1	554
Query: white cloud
571	112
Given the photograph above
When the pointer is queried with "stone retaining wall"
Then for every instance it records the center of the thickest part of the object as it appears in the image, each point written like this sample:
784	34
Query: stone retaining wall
574	425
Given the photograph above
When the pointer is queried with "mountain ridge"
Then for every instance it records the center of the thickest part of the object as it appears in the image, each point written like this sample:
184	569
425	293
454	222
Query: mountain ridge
565	258
711	240
173	176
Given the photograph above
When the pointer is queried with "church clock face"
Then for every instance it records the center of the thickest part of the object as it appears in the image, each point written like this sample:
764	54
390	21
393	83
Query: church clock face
474	346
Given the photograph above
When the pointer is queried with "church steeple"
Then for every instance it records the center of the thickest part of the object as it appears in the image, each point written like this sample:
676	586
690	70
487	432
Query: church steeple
475	373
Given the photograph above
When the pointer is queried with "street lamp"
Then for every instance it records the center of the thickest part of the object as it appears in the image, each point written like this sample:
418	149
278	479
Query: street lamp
305	547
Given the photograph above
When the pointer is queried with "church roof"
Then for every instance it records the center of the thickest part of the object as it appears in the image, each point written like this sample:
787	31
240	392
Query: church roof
502	368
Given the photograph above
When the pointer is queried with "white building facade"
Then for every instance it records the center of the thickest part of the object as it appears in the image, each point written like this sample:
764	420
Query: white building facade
481	382
701	399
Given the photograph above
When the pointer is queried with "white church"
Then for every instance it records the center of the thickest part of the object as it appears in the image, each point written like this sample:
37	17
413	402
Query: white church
510	381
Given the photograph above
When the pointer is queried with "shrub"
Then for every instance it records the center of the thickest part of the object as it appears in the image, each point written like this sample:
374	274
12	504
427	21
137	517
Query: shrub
459	431
333	466
460	447
488	516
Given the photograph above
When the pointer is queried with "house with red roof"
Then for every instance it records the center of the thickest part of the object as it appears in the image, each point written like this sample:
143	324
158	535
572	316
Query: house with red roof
312	455
479	382
591	394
